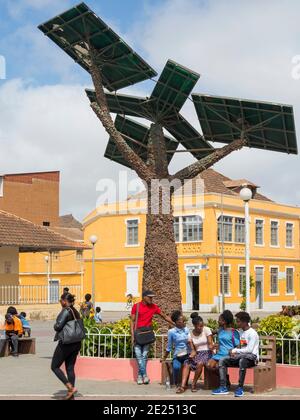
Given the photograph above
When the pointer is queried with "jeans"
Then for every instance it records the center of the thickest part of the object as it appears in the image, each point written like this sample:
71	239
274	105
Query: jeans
242	362
178	362
141	354
14	343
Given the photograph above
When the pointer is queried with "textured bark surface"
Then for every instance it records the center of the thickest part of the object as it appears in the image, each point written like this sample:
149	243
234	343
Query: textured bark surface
161	272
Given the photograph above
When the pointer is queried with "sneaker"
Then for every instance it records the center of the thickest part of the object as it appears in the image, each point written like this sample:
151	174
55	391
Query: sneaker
15	355
221	391
139	380
239	392
146	380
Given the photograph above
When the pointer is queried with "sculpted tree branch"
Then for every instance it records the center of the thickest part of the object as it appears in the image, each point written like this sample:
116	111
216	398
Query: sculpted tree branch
102	111
196	168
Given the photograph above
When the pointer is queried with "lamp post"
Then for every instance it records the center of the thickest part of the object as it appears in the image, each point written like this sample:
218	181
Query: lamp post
93	240
246	195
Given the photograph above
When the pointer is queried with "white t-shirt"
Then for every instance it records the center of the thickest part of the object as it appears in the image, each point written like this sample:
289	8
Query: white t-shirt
249	342
201	341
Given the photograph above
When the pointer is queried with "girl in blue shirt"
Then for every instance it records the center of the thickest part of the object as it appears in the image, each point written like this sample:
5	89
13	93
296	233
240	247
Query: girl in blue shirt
178	342
228	339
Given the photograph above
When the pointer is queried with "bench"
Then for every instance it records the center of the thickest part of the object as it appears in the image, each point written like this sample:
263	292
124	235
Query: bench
264	373
26	346
167	372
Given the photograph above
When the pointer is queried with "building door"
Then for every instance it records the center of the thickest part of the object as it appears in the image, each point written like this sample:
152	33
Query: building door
194	301
259	284
53	289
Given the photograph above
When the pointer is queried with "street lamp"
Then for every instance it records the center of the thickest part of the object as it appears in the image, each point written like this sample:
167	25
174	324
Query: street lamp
93	240
246	195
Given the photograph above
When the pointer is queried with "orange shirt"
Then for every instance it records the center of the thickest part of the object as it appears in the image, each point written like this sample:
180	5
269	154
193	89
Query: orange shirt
16	326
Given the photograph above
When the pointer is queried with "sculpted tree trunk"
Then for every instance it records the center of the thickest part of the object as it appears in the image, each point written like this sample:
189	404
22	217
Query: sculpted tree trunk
161	272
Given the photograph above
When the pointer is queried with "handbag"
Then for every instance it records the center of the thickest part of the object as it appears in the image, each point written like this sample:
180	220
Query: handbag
145	335
73	331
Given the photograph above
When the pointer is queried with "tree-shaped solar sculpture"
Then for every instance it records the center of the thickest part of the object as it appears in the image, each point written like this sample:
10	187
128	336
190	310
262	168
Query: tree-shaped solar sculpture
113	65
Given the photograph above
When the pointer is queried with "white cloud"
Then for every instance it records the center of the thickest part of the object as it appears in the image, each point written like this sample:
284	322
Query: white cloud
17	8
241	49
53	128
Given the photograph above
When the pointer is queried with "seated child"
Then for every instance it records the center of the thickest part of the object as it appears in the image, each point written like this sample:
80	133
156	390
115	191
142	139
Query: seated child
97	316
25	324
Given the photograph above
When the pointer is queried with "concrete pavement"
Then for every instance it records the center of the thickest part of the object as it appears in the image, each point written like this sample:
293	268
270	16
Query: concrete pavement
30	377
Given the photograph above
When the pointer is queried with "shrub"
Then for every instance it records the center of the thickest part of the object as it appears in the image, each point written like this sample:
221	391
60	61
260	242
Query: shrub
213	324
278	326
111	342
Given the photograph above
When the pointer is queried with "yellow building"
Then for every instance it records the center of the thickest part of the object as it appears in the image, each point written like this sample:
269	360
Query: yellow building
274	240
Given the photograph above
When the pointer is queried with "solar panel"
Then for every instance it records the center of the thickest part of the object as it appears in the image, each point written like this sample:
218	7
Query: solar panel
119	65
172	89
136	135
175	123
266	125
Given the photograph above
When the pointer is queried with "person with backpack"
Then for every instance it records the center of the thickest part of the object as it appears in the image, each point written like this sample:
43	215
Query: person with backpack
142	334
245	357
69	334
87	307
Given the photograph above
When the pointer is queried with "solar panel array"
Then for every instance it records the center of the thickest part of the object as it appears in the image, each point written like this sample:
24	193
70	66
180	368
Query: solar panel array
264	125
119	65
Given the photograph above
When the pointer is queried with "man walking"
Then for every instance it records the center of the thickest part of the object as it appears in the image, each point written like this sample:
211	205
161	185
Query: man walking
141	317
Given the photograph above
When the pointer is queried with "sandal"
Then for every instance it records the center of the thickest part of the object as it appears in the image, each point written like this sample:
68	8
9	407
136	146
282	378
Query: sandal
180	390
71	392
194	388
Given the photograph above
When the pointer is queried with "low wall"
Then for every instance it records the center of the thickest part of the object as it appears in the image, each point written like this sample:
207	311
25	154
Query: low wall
41	312
125	370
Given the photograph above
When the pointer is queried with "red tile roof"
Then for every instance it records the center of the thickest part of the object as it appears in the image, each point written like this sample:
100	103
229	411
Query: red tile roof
29	237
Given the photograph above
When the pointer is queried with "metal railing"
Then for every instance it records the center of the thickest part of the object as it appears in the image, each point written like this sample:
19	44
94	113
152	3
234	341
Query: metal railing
31	295
105	343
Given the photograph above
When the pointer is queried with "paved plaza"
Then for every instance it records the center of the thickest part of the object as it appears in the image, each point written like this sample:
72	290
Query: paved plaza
30	377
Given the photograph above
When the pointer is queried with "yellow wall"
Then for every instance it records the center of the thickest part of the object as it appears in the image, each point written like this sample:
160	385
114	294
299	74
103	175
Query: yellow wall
112	255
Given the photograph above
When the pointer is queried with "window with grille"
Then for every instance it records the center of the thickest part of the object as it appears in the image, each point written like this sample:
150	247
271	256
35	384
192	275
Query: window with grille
132	232
192	229
274	281
240	230
259	232
176	229
225	226
226	280
289	235
79	255
289	280
274	233
242	279
7	267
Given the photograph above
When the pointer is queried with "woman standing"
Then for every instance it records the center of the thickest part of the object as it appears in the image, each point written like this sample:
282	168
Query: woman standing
228	339
66	353
201	340
178	339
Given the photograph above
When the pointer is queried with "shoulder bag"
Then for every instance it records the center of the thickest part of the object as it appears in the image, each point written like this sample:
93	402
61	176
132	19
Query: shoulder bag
145	335
73	331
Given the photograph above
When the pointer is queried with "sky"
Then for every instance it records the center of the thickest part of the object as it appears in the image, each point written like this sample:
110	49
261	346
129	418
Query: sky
241	49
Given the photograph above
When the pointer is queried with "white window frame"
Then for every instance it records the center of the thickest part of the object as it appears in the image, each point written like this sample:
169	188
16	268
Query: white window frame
235	230
240	266
220	274
278	234
278	268
293	238
181	228
131	268
264	222
59	286
131	219
290	268
1	185
232	231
